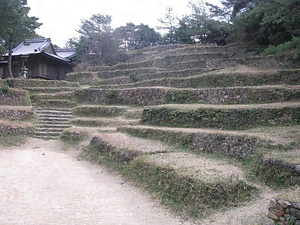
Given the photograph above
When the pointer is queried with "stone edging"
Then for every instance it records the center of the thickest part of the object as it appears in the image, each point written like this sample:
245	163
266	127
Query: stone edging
284	212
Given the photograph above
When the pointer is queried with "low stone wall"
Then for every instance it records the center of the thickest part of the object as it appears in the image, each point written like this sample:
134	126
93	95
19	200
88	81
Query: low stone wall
14	97
16	114
221	118
230	144
285	212
155	95
23	83
9	129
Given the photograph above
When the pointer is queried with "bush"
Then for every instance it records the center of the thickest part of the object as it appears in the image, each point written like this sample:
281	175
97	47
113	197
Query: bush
5	86
290	49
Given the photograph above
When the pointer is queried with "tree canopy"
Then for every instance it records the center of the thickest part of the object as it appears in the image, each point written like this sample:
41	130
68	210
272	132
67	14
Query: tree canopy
15	25
99	44
268	22
133	36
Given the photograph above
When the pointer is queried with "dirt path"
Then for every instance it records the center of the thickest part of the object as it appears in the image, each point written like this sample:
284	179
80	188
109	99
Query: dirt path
40	184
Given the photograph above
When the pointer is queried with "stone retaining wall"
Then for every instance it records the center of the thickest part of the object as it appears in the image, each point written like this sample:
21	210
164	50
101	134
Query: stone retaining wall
9	129
152	96
14	97
284	212
16	114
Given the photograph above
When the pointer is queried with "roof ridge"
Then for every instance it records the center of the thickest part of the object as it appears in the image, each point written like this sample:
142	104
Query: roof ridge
36	40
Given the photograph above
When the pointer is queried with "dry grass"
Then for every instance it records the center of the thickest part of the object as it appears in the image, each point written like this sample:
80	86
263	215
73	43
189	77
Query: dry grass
291	157
129	143
203	169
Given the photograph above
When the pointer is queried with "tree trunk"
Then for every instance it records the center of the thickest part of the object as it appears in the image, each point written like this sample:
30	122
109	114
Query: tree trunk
9	62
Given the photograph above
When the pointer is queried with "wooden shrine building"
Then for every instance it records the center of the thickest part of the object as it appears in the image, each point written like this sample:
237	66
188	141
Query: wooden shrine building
40	60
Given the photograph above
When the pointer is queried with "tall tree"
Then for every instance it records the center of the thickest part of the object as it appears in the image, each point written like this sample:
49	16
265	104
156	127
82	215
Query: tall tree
96	42
145	36
201	26
15	25
265	22
126	36
169	25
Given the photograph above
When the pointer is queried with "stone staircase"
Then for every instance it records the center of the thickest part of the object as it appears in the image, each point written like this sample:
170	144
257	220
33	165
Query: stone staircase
52	103
52	122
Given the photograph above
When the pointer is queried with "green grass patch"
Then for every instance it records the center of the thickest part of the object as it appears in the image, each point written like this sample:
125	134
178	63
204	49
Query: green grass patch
12	140
231	119
99	111
73	136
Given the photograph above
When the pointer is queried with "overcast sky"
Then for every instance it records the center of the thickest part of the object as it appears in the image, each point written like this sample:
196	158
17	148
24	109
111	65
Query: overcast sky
61	18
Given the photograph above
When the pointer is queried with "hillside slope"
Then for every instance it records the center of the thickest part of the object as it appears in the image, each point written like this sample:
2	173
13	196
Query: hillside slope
204	128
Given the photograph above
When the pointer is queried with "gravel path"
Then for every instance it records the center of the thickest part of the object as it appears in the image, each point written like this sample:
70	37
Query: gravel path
40	184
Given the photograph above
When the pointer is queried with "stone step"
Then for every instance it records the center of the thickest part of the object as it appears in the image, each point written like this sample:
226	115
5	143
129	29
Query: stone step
230	117
190	179
48	129
45	137
47	133
60	111
53	119
54	114
56	103
48	96
60	126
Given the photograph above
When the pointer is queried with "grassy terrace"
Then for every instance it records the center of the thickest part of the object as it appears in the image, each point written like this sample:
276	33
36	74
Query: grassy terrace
205	128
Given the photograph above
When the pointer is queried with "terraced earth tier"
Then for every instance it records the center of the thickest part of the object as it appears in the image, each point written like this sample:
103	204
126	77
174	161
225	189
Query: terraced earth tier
14	97
203	127
13	113
99	110
230	143
15	128
239	76
194	182
235	117
163	95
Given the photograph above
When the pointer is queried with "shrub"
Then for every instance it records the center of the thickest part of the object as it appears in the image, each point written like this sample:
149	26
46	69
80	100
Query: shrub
290	49
5	86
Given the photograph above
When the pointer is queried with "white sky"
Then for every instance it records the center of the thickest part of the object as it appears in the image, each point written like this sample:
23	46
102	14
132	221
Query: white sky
61	18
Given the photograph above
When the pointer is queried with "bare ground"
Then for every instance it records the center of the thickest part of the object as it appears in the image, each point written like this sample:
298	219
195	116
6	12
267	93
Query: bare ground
42	184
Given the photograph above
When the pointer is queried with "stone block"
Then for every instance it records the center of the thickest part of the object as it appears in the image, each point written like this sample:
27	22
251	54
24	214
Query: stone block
283	203
295	213
273	216
295	205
